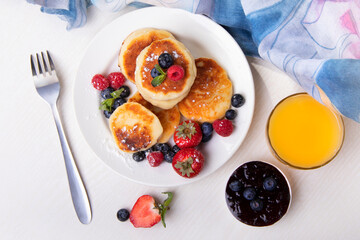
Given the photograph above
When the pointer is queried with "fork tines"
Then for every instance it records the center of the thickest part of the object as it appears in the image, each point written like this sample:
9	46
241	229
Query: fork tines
42	63
43	69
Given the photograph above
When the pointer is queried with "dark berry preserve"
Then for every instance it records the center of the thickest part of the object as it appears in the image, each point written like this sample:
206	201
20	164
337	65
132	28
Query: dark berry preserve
264	206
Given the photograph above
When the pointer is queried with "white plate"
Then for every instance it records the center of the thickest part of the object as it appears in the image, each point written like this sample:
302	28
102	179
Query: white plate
204	38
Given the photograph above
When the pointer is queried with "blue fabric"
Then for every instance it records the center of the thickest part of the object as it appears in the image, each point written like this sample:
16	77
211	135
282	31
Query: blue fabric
71	11
268	19
316	42
231	16
341	84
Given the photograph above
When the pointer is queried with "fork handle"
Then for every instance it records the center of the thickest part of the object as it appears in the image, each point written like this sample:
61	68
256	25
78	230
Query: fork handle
77	189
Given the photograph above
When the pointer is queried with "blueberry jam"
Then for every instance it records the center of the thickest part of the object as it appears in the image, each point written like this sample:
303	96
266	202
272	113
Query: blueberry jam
269	204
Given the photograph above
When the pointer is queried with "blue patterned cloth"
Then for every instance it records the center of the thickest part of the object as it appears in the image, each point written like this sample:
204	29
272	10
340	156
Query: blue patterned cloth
316	42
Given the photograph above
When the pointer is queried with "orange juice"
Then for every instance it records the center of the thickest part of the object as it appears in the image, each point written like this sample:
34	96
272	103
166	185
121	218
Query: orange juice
304	133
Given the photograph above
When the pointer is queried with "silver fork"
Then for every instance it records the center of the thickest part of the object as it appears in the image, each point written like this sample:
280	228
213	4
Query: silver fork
47	86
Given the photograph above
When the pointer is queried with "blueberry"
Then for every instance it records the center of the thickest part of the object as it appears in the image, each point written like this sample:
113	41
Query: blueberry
155	73
256	205
165	60
138	156
168	157
108	113
235	186
269	184
156	147
231	114
123	215
237	100
164	147
249	193
106	93
175	148
126	92
206	138
118	102
207	128
149	150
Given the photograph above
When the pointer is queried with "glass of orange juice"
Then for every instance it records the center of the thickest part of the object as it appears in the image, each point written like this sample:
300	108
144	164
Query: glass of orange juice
304	133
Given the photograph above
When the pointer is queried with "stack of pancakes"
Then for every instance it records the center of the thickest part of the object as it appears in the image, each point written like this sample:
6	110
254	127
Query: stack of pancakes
169	93
153	113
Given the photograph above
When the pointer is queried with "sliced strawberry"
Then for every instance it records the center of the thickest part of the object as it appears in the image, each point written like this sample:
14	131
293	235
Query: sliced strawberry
146	212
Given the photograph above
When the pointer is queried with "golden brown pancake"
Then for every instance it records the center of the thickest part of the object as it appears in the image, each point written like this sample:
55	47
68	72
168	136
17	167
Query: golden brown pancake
168	89
169	119
210	95
134	44
134	127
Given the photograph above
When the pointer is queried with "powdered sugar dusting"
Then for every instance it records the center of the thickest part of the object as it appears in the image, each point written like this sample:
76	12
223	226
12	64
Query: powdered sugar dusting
111	148
175	54
151	58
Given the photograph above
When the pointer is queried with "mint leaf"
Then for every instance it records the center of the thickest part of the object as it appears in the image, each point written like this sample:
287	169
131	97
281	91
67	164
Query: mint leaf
158	80
107	104
116	94
157	66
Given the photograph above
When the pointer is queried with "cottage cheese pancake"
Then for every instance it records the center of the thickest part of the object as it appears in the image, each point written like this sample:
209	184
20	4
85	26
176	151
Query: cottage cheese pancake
166	104
134	127
169	118
134	44
210	95
168	89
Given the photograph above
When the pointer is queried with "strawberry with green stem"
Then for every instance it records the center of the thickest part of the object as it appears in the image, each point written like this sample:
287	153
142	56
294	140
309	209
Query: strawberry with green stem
188	134
188	162
146	212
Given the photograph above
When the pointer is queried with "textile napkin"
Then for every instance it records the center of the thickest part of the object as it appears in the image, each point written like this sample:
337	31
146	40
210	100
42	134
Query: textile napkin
316	42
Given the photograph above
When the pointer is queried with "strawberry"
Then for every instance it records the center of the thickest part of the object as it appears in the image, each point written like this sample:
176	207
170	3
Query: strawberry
188	162
146	212
223	127
188	134
155	158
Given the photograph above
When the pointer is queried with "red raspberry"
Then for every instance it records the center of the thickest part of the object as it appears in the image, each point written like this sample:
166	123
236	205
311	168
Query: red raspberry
116	80
176	72
155	158
223	127
100	82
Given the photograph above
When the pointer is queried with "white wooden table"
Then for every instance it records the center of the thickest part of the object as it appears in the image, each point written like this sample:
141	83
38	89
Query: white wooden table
35	201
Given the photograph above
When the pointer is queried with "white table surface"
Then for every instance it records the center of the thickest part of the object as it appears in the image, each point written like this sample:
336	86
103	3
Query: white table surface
35	201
